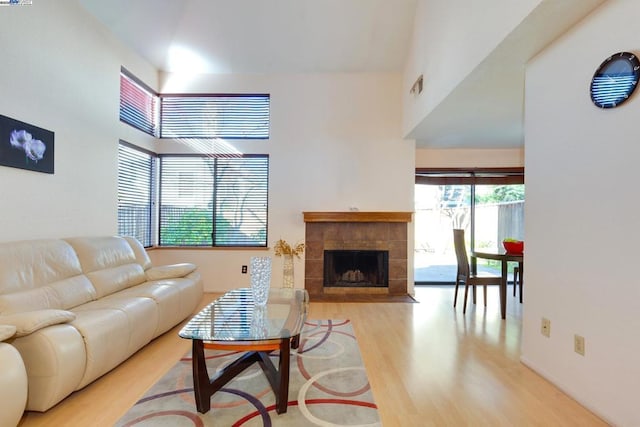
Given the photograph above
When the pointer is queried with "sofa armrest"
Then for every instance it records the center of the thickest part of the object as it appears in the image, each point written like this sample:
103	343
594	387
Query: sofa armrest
170	271
28	322
6	332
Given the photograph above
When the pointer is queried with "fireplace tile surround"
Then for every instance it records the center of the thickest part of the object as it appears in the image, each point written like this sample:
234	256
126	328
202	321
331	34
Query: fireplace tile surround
352	231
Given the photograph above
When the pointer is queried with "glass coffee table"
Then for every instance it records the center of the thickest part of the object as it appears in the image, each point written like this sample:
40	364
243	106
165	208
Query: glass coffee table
234	323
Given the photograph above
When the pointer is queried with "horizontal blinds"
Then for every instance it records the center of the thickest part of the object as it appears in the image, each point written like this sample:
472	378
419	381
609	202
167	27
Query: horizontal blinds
215	116
213	201
138	105
490	176
135	169
186	201
241	201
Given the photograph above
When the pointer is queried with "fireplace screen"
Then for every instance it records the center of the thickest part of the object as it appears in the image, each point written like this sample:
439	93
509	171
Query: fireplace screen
356	268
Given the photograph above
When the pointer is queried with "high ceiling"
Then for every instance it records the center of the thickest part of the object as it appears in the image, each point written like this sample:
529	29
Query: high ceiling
263	36
302	36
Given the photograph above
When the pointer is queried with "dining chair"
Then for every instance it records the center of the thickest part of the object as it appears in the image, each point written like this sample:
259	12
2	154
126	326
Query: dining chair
467	276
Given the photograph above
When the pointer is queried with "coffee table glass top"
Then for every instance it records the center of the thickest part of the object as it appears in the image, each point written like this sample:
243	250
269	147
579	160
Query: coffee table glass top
235	317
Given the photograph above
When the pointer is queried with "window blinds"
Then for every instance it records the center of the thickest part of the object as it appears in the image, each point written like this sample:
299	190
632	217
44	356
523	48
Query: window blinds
213	200
228	116
135	214
138	105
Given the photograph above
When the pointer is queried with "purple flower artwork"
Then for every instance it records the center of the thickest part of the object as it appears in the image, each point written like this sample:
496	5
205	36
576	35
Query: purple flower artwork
25	146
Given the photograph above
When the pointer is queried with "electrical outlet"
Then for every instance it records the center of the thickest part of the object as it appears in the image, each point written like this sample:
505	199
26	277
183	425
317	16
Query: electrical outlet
578	344
244	269
545	327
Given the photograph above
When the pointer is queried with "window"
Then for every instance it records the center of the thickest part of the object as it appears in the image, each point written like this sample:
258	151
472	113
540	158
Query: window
138	104
135	192
213	200
229	116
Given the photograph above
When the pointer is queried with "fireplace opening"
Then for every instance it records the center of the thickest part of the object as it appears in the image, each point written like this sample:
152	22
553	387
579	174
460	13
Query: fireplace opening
356	268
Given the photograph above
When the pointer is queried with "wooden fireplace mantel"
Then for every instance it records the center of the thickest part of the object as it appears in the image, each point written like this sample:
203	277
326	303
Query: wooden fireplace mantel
357	216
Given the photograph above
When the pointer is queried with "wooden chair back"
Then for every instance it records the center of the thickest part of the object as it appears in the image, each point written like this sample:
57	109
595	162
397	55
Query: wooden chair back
461	253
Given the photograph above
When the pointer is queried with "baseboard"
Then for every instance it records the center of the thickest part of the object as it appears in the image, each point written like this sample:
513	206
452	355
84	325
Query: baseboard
544	374
362	298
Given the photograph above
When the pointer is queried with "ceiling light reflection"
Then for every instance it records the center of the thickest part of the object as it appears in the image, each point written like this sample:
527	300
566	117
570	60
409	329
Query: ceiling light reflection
184	60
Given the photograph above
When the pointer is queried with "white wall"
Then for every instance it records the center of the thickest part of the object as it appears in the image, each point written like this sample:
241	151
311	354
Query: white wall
469	158
581	214
335	144
450	39
61	73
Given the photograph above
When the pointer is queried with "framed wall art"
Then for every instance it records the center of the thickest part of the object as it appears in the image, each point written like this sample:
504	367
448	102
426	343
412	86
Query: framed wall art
26	146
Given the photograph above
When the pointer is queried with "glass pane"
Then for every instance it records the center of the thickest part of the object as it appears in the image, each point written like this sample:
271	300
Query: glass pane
438	210
499	214
241	201
207	201
186	201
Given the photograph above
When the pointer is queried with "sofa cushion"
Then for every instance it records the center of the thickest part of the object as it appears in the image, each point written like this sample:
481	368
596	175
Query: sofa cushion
63	294
106	335
141	313
170	271
168	299
6	332
29	300
32	264
73	291
55	359
109	263
141	254
111	280
30	321
99	253
13	386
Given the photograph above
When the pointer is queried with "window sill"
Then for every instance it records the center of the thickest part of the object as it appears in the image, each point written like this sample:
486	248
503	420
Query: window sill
209	248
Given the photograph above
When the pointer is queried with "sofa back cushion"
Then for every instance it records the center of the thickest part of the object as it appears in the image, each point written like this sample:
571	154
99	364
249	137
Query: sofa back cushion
109	263
63	295
41	274
141	254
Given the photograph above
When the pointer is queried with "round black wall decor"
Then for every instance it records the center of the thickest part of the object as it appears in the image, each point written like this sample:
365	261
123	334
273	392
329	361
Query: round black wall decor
615	80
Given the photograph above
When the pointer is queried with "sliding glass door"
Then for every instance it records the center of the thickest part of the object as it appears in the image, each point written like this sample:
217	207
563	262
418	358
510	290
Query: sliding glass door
439	209
488	204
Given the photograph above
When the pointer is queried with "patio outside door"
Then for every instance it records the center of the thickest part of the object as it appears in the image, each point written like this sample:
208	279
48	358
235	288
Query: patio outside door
498	213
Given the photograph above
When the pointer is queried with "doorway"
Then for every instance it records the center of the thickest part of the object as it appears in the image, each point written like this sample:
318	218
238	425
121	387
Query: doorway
488	204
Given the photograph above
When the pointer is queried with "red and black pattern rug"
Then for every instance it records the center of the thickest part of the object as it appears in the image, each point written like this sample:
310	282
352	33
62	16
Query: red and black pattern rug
328	387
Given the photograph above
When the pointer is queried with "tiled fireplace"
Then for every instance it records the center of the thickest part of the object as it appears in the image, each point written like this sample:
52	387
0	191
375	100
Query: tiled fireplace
357	232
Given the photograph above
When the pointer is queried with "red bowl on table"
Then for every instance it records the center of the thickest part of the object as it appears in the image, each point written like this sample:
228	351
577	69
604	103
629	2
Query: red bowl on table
514	247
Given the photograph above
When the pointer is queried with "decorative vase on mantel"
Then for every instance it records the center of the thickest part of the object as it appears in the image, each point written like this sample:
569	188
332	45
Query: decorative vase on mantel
284	249
287	271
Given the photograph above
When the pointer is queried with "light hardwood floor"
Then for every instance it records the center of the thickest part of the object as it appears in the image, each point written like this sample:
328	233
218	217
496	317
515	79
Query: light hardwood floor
427	363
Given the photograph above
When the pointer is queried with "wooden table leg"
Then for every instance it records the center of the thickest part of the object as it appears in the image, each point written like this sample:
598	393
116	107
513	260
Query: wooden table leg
283	399
295	341
279	379
204	387
503	290
201	380
521	267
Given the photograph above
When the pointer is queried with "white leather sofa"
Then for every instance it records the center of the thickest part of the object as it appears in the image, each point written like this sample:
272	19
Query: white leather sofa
81	306
13	380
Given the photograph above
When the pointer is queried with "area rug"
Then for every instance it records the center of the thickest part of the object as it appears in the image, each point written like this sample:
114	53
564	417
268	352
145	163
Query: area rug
328	387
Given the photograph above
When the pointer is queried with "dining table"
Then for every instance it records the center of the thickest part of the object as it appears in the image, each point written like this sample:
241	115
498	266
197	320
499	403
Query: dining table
504	257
